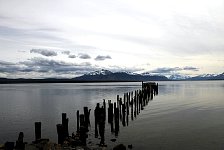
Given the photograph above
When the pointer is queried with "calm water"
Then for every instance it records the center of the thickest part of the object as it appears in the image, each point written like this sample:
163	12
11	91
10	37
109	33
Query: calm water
185	115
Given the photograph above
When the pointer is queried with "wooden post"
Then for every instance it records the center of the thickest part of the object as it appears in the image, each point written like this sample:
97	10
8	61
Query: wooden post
110	113
96	114
37	131
65	124
120	104
82	120
105	109
60	133
19	143
101	126
86	114
123	114
116	121
132	103
77	116
137	100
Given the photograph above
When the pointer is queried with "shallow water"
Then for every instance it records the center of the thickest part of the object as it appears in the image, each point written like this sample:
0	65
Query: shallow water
185	114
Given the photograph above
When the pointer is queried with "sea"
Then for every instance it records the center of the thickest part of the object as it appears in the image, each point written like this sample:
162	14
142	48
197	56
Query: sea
186	115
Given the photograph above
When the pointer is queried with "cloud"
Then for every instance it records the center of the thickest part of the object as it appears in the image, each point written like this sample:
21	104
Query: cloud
9	67
65	52
168	70
44	52
101	58
71	56
191	68
5	63
165	70
84	56
46	65
124	69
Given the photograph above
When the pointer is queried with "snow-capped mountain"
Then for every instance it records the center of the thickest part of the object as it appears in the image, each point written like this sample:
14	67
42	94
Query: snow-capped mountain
207	75
146	74
178	77
100	72
106	75
204	77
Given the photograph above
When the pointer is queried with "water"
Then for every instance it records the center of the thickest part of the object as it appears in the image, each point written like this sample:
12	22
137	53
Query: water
185	115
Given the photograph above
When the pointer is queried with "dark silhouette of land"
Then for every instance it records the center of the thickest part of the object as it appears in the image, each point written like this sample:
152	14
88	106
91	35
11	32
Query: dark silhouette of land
107	76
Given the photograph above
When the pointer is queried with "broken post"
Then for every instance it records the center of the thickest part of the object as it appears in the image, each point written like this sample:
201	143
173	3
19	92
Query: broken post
37	131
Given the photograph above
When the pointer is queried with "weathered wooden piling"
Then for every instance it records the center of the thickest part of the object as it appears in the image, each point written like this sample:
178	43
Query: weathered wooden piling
65	124
116	118
101	126
123	114
82	121
132	108
83	135
60	132
110	112
19	143
37	131
118	101
127	104
77	117
96	114
87	114
120	107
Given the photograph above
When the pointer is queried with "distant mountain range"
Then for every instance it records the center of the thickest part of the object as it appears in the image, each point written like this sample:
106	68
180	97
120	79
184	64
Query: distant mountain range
108	76
208	77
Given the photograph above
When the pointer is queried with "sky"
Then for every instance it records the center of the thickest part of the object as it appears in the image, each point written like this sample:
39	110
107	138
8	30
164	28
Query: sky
55	38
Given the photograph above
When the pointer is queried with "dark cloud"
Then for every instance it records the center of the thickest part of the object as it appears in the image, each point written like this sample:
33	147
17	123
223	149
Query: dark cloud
168	70
44	52
65	52
84	56
5	63
20	51
165	70
101	58
71	56
46	65
191	68
39	65
8	67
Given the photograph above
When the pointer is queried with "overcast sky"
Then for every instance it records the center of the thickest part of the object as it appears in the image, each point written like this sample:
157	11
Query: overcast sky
55	38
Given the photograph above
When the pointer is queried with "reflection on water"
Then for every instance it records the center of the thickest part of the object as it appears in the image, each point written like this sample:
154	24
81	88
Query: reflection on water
24	104
185	115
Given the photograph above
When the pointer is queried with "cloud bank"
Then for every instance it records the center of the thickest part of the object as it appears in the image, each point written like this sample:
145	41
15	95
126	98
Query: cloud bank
44	52
84	56
101	58
171	70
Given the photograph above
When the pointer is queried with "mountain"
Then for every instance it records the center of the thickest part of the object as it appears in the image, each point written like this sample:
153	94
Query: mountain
219	77
100	72
207	77
106	75
178	77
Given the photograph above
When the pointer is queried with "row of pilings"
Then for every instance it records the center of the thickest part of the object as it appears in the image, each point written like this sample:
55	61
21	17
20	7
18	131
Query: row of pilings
126	107
116	113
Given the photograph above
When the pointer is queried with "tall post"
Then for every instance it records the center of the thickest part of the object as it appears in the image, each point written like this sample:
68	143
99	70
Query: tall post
37	131
77	116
